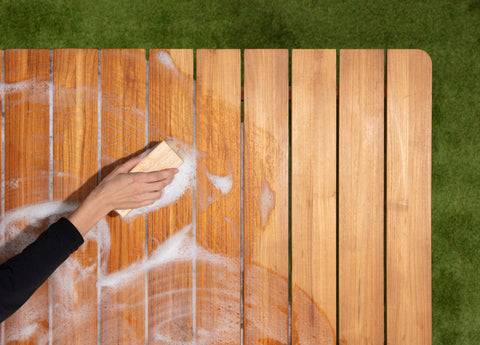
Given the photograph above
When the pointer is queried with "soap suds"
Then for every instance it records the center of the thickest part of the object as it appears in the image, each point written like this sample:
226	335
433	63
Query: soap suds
222	183
31	86
267	203
36	92
211	187
167	61
21	227
12	183
180	247
182	181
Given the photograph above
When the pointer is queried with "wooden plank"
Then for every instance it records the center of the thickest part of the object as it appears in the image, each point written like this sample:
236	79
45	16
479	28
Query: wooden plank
409	145
218	205
314	148
266	196
123	86
361	177
27	171
170	298
75	80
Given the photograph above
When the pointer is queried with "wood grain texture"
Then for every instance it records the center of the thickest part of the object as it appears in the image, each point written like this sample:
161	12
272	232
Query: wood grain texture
314	242
266	196
123	86
409	147
75	150
170	308
171	117
218	228
361	176
27	171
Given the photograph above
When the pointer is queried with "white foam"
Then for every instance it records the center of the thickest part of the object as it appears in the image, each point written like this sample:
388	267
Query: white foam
176	313
33	215
172	322
12	183
22	226
31	326
267	202
222	183
182	181
34	90
167	61
179	247
31	85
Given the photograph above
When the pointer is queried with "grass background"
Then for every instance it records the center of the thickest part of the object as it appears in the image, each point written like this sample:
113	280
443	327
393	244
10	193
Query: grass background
448	30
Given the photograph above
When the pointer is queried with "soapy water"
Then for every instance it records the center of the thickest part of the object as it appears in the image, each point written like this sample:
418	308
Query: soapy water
167	61
222	183
43	92
267	203
172	324
21	227
178	248
34	90
182	181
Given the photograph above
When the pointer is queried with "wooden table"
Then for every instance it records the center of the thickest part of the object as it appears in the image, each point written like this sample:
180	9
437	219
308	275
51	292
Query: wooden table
345	186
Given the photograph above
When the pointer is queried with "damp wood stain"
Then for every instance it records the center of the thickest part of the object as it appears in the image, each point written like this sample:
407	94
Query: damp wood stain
181	248
267	203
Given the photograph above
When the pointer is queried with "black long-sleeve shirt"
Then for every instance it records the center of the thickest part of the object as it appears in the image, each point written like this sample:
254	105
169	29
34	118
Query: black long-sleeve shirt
24	273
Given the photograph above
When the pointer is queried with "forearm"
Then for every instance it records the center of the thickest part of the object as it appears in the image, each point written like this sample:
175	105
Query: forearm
93	208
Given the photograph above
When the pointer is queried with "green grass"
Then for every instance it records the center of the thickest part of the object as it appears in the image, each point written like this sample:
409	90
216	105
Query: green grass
448	30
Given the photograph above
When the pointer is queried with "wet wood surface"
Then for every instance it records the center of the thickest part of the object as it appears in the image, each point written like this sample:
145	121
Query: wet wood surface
75	148
218	227
333	179
27	169
266	196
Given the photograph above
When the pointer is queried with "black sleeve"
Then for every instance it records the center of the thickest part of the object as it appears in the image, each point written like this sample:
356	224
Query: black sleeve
23	274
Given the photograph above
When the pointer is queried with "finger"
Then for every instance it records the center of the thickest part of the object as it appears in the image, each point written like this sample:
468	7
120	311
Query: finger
154	196
159	185
129	165
160	175
150	198
144	203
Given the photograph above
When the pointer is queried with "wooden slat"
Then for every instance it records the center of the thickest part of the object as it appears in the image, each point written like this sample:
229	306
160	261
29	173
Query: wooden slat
170	308
27	170
123	86
361	176
409	138
266	196
361	189
75	80
218	215
314	196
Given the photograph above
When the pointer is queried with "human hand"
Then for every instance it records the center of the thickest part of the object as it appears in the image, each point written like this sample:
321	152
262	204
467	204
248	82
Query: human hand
121	190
